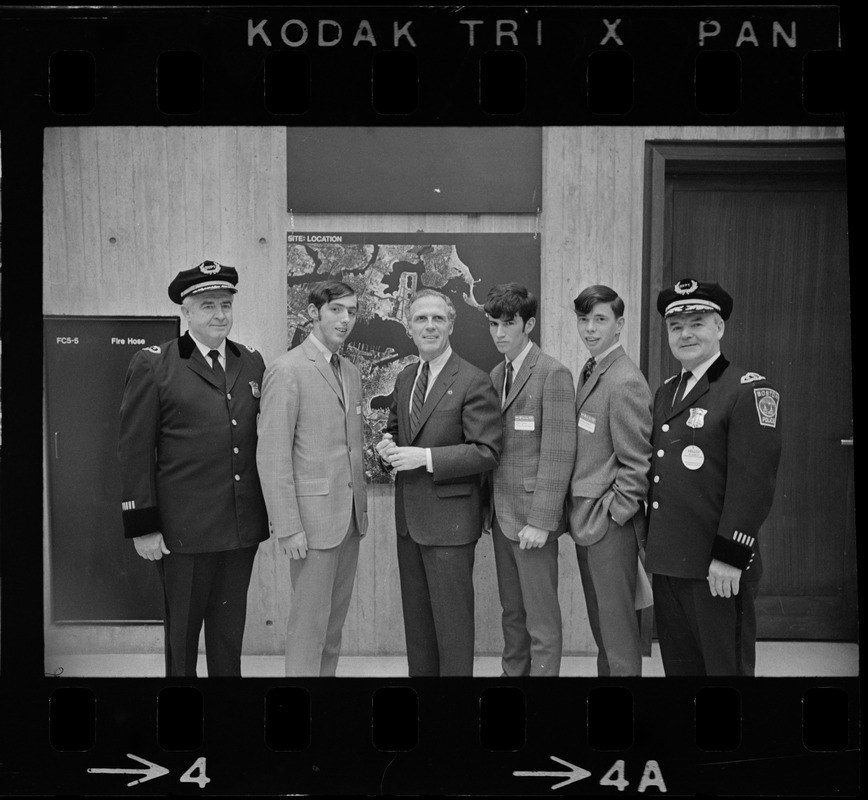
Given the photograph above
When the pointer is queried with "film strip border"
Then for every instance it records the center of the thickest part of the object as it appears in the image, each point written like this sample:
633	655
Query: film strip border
442	736
405	65
409	66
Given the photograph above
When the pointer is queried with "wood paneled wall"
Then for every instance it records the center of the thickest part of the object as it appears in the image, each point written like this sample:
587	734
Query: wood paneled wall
126	208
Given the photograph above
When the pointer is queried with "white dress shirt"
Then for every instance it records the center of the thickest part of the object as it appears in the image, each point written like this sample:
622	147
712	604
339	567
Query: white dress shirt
204	350
435	367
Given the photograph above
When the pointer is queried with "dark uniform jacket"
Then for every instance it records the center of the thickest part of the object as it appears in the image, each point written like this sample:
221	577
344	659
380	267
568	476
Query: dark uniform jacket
461	423
715	509
188	451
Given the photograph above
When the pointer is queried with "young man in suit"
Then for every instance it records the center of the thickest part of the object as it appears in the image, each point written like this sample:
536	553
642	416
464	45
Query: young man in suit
310	459
187	447
717	444
530	483
610	481
443	435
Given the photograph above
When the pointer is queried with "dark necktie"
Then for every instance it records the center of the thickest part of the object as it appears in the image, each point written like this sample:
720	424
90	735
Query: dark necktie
336	368
418	398
507	380
218	368
682	383
588	369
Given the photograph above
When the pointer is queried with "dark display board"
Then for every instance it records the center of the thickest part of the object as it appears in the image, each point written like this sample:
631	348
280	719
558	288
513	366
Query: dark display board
96	574
414	170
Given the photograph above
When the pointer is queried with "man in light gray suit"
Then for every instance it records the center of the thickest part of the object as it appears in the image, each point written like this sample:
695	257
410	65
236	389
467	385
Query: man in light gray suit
310	461
530	484
610	481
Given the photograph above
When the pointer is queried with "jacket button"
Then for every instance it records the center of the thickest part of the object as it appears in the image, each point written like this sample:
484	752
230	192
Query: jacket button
237	477
665	428
234	422
656	479
659	454
655	504
350	485
235	450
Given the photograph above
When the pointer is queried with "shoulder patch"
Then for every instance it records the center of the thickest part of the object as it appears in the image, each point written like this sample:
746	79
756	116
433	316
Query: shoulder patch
767	401
670	378
154	348
750	377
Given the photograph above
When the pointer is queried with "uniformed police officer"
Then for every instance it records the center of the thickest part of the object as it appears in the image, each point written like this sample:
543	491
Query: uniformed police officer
716	445
192	502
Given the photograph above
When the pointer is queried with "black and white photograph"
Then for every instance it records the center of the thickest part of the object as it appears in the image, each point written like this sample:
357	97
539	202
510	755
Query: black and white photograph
389	359
760	212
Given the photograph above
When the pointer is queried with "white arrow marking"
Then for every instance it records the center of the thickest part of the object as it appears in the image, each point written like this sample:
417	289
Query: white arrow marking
575	773
152	771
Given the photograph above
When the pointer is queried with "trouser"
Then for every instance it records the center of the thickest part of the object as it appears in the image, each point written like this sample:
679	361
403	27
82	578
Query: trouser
209	589
608	569
700	634
438	604
527	582
322	586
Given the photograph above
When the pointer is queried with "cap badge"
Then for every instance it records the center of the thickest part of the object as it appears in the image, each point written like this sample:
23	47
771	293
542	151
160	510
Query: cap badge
697	417
686	287
209	267
767	406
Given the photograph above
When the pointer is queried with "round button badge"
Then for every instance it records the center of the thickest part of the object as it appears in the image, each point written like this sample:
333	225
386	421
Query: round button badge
692	457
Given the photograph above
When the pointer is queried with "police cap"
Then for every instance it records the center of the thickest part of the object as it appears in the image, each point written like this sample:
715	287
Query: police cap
206	277
694	297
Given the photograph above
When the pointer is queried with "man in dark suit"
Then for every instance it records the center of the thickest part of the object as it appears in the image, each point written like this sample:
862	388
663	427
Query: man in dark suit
610	481
192	502
443	435
530	484
311	461
717	444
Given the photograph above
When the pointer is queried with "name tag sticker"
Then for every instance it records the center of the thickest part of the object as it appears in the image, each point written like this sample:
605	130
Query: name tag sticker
587	422
524	422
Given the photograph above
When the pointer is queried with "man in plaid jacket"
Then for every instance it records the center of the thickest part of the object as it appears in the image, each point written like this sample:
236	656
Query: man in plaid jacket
530	484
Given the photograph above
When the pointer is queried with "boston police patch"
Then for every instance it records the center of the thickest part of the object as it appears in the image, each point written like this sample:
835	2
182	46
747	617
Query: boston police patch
767	406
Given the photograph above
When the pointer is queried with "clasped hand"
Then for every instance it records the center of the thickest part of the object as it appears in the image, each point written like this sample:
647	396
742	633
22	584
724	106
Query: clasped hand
401	458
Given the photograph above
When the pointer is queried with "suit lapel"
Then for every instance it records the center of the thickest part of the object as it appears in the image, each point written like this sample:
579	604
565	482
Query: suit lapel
324	369
444	380
523	375
233	365
586	388
497	375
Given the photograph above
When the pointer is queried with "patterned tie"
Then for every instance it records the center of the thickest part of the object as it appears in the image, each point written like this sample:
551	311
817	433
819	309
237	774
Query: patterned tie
682	381
418	398
507	380
218	368
336	368
588	369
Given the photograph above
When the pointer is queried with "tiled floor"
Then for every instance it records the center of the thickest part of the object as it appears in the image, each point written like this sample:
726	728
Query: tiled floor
774	659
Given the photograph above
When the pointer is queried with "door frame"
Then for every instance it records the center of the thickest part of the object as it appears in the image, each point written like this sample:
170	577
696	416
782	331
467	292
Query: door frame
663	158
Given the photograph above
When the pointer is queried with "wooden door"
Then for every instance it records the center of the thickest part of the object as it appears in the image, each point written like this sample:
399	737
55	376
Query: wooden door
774	234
